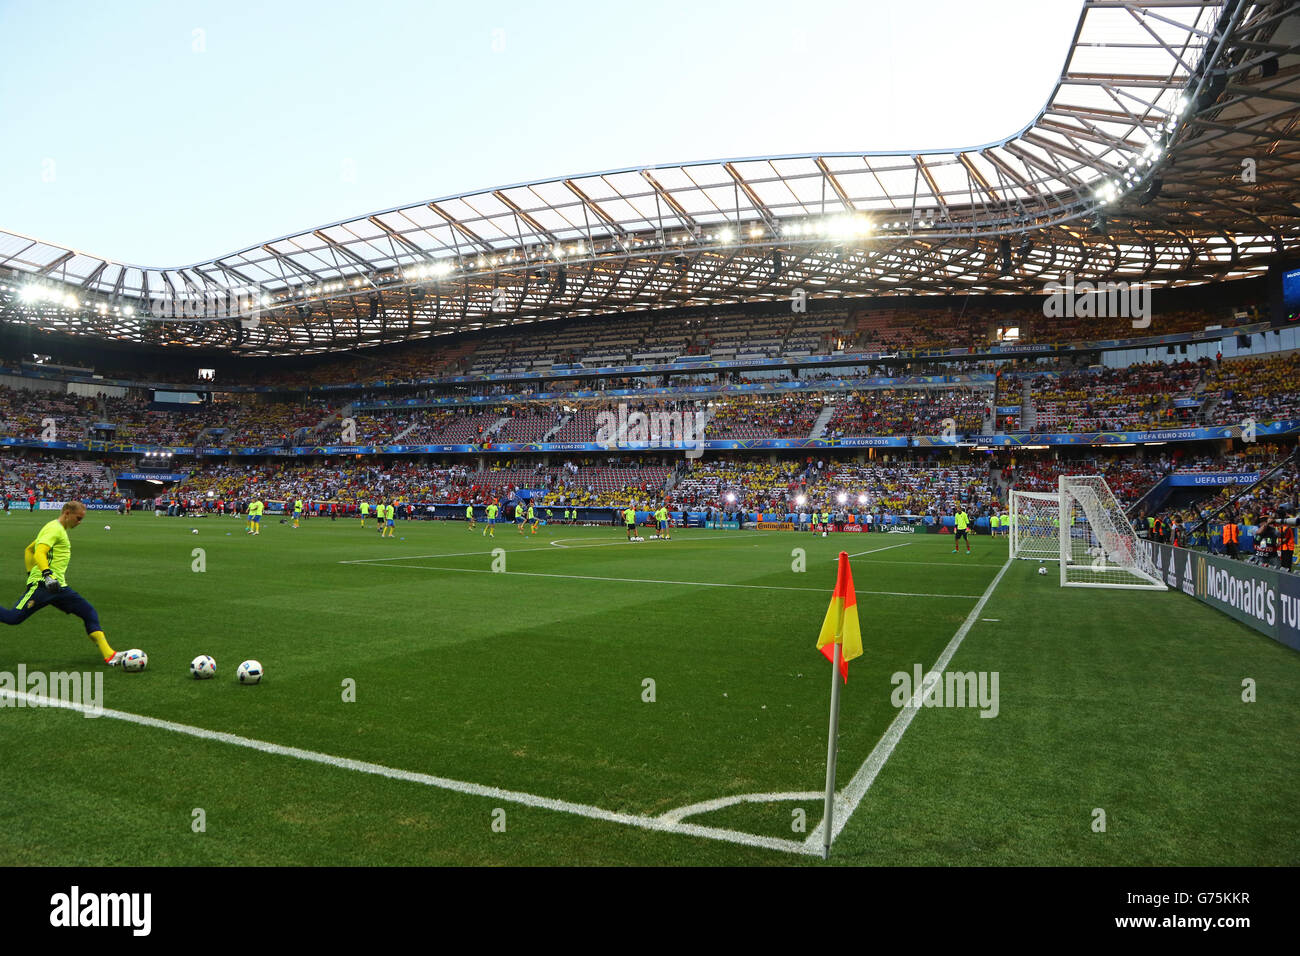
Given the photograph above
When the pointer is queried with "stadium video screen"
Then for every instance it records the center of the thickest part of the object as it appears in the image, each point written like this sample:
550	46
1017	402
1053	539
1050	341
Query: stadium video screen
1284	291
1291	292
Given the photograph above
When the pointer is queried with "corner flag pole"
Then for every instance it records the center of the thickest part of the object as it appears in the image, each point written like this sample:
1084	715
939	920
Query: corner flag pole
831	750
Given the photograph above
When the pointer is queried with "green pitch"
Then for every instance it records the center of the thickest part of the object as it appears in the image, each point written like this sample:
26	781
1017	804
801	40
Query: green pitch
626	684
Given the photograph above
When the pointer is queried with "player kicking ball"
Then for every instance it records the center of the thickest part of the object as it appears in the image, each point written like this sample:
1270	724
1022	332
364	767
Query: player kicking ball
46	560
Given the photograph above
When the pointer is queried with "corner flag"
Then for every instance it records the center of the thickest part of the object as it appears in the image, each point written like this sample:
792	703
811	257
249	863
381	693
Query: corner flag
841	623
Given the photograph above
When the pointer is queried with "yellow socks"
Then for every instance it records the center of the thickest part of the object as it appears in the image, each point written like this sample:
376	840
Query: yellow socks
102	642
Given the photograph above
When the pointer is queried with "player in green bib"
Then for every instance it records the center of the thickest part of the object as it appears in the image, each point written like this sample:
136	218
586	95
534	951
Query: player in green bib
46	560
961	528
629	515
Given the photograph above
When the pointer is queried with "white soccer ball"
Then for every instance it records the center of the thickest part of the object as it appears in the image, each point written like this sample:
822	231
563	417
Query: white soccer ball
250	672
108	527
1042	570
203	667
823	534
194	530
134	661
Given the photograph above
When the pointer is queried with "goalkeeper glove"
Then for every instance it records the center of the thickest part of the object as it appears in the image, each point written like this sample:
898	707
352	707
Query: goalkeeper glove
49	580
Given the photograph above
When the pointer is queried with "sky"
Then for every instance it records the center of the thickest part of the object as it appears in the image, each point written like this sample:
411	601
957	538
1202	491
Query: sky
164	134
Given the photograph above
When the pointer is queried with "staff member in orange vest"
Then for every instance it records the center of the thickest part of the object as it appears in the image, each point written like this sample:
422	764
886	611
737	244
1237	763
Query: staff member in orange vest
1230	532
1286	544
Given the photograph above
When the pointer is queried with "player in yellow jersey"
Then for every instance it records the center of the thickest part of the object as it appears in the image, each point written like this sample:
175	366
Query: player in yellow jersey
46	560
365	511
961	528
629	516
255	511
490	529
297	511
469	516
389	511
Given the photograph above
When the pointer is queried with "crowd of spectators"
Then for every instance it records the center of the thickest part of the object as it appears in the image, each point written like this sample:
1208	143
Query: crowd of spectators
52	478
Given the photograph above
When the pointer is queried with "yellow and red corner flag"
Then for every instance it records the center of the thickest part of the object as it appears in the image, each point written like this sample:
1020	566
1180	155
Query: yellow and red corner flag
841	623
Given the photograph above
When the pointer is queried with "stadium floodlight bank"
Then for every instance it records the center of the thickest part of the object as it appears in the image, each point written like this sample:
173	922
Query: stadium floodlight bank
1083	528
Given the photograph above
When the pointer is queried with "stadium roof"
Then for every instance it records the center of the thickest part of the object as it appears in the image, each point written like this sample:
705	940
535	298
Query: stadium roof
1168	153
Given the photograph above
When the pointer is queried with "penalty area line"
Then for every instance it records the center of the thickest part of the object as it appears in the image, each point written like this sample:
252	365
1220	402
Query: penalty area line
442	783
689	584
891	547
848	799
555	544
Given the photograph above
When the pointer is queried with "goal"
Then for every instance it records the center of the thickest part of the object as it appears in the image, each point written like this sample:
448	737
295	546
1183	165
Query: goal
1082	527
1035	526
1098	546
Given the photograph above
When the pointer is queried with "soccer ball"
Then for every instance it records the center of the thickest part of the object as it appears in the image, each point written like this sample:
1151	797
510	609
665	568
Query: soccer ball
194	530
250	672
203	667
134	661
1042	570
823	534
108	527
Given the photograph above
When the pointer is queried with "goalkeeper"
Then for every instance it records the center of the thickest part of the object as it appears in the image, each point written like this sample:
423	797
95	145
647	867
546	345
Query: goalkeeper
47	560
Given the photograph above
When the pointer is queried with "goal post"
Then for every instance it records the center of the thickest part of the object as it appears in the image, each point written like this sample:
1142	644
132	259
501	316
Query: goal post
1035	526
1098	546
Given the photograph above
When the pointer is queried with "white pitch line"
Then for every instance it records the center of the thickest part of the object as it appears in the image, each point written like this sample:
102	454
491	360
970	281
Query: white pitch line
708	806
465	554
891	547
693	584
847	800
441	783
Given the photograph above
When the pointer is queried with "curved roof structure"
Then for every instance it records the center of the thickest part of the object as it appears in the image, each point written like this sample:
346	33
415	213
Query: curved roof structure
1167	153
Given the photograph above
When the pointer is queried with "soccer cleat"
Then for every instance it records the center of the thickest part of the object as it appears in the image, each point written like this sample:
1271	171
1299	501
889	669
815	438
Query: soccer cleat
116	659
954	550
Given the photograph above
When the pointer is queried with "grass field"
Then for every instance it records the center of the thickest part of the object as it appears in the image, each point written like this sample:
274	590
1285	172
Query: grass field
532	681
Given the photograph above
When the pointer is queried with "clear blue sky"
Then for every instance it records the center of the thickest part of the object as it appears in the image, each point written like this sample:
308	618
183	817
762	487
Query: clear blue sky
162	134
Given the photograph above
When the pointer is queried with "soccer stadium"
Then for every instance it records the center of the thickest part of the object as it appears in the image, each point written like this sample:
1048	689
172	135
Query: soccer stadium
578	492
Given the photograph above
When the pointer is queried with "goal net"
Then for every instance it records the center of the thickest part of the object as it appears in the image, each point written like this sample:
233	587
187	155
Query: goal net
1098	546
1035	526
